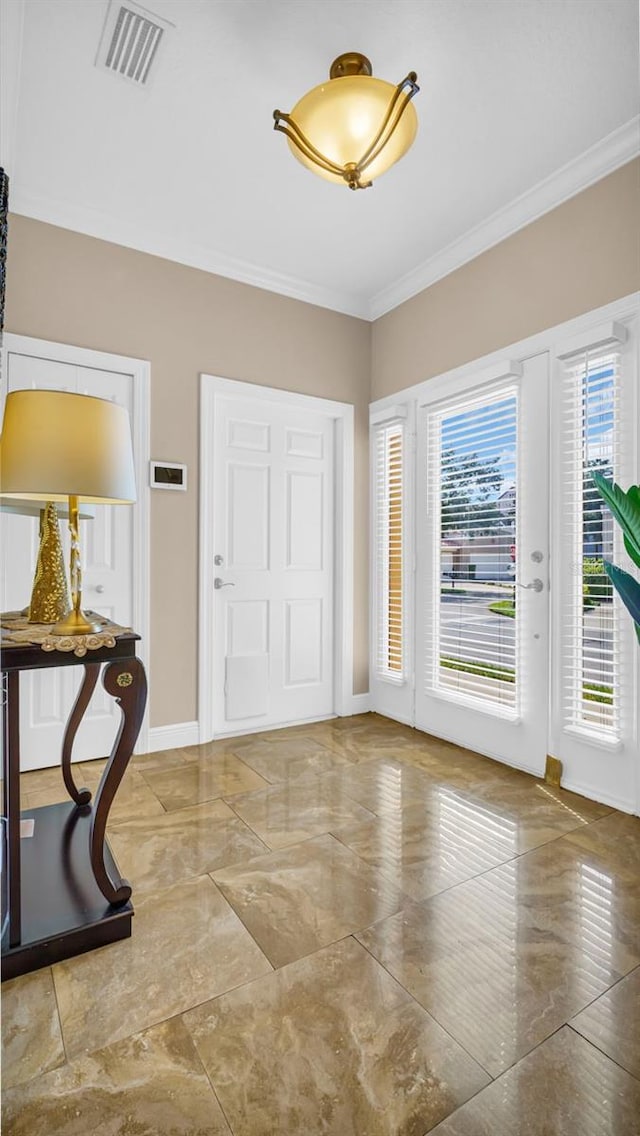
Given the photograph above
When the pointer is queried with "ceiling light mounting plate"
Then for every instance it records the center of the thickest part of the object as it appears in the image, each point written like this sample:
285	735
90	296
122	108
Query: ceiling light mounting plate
350	63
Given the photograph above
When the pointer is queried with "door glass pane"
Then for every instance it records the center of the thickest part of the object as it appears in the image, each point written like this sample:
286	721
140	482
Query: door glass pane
394	651
591	640
388	539
474	474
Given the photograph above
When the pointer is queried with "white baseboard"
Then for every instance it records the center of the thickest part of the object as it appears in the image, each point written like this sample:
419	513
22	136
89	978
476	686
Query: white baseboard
358	704
601	796
394	717
246	730
188	733
173	737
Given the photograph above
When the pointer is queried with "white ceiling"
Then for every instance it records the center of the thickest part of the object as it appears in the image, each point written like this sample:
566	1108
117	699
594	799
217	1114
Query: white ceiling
522	104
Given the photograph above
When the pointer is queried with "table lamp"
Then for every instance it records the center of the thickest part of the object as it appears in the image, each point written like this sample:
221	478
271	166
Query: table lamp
59	446
49	594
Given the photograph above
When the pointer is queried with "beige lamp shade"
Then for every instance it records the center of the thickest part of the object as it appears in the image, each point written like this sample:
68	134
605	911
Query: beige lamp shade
28	507
57	445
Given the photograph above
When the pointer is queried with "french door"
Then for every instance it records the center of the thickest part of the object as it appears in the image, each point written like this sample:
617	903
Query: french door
482	558
495	623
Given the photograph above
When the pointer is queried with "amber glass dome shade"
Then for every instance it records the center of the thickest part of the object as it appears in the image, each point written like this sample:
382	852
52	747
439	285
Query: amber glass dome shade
354	127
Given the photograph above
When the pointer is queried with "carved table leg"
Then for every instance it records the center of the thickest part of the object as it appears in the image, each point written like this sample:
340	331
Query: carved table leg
127	683
91	672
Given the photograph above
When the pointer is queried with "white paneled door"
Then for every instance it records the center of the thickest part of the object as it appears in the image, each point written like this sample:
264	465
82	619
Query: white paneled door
482	588
46	697
273	533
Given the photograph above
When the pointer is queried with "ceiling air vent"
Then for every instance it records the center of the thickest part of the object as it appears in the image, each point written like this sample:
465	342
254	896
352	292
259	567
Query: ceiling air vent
130	41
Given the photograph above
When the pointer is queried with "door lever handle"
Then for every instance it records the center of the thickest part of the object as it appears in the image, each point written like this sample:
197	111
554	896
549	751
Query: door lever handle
219	583
535	585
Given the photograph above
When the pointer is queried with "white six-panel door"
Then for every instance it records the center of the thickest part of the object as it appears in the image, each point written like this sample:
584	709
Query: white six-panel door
46	696
273	522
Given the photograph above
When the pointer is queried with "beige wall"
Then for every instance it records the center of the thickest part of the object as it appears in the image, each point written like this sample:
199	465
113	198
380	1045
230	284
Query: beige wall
579	256
70	288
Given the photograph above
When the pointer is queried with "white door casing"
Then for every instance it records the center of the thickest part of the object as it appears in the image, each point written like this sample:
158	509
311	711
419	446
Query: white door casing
276	496
114	548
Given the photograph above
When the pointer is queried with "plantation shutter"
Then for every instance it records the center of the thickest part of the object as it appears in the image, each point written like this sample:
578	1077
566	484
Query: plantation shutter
472	489
388	582
595	694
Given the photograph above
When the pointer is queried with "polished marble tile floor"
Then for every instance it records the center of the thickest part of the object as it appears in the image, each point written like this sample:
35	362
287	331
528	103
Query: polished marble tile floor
343	929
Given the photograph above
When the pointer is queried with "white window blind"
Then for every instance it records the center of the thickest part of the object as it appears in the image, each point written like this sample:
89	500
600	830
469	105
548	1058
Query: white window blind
593	685
389	445
472	492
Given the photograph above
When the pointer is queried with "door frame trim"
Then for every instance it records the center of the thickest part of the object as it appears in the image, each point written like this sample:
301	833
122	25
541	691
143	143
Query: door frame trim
343	416
140	370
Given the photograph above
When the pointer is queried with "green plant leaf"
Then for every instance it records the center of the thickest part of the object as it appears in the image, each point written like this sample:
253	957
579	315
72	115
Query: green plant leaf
632	552
625	508
633	493
627	588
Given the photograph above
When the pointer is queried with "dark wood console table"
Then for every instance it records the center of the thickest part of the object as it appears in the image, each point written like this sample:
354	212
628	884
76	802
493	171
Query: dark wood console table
64	894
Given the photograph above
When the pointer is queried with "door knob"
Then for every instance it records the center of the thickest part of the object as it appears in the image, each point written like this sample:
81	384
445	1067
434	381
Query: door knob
218	583
100	588
535	586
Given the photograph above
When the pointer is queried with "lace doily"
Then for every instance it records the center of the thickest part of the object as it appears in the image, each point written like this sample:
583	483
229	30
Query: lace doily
17	631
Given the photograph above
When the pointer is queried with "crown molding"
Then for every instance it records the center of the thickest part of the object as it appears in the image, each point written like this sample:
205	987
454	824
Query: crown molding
613	151
93	223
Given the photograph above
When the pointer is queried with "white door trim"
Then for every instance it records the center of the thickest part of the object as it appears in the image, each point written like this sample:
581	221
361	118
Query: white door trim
343	416
140	370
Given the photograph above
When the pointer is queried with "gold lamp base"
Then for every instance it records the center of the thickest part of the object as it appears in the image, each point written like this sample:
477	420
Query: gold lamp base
50	596
76	623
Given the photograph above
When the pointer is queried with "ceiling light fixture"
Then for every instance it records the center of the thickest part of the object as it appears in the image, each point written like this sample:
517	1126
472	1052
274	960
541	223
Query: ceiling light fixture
354	127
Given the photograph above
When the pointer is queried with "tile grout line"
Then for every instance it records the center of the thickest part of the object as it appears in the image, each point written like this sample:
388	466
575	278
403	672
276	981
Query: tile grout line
180	1018
232	909
55	994
428	1012
594	1045
607	991
494	1080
